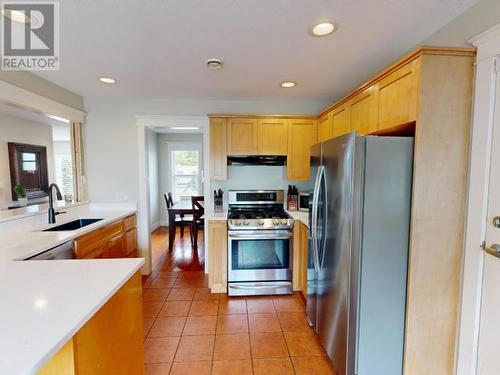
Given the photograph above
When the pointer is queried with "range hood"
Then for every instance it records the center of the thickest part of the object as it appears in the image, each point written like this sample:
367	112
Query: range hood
257	160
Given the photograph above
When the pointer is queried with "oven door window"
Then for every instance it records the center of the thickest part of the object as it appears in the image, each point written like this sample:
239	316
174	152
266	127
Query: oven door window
255	254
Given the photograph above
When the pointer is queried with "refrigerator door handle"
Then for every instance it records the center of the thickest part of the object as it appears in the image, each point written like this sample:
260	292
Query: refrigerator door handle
315	204
314	224
325	221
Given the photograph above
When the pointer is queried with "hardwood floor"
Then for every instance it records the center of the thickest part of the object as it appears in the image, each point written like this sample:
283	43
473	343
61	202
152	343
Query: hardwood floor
188	330
182	257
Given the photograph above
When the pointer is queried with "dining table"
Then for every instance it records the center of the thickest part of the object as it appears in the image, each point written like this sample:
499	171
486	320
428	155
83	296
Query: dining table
182	207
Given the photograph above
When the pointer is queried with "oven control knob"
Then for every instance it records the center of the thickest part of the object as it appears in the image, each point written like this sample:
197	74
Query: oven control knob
283	221
230	222
237	222
246	222
276	222
260	222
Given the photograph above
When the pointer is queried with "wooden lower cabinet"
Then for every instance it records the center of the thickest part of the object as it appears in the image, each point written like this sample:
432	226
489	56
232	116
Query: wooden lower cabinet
115	240
114	247
111	342
217	256
62	363
303	260
300	243
130	243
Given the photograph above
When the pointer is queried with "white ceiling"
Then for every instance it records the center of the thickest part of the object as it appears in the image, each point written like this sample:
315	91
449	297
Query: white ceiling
158	48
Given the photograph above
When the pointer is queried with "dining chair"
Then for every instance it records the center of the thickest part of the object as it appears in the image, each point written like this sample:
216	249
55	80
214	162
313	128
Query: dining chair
198	219
181	221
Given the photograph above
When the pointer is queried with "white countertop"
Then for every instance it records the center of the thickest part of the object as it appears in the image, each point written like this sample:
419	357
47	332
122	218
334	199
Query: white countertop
44	303
35	209
301	216
21	239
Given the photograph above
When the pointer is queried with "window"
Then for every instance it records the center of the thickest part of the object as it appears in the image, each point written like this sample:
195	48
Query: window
63	163
29	162
185	170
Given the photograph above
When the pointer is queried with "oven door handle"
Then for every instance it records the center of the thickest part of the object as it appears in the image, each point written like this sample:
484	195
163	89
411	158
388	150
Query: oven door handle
263	236
267	286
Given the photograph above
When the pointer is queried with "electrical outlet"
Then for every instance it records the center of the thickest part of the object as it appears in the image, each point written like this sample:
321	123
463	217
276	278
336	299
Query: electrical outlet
121	196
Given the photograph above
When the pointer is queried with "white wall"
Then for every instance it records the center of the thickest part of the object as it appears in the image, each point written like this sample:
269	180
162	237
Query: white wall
475	20
14	129
165	164
111	135
152	160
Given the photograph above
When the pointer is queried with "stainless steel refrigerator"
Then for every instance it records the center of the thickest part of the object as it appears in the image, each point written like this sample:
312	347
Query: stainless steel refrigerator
358	250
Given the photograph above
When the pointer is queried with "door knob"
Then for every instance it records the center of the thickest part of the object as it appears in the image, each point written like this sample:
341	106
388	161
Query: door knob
493	250
496	222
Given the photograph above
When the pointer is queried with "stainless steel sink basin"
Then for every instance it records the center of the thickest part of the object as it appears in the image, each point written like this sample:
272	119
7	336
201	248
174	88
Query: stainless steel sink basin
72	225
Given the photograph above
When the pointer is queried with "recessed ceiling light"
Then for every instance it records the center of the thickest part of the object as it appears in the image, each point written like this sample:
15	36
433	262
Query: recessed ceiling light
15	15
323	29
288	84
214	63
107	80
184	128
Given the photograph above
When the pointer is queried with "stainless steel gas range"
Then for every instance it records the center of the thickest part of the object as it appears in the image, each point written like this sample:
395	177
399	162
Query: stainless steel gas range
259	243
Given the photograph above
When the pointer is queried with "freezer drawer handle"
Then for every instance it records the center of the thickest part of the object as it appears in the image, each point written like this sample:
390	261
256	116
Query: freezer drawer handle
493	250
271	286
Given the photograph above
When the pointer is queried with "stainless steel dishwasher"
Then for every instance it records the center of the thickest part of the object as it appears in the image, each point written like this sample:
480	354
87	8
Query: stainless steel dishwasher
62	251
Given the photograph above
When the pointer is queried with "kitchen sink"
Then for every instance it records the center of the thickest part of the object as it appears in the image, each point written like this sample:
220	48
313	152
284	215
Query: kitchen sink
72	225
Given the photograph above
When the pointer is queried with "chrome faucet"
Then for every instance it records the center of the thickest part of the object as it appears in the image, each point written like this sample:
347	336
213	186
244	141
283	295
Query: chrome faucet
52	212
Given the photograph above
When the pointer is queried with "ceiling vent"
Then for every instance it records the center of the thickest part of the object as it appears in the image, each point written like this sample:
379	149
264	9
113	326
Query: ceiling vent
214	63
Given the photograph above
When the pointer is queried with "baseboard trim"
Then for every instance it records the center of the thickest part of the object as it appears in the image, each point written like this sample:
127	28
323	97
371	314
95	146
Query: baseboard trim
155	226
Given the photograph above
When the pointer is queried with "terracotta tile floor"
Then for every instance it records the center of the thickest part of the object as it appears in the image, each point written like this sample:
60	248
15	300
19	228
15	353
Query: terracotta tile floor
188	330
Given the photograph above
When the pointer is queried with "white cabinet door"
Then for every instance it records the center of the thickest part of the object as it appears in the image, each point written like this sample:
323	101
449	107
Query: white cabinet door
489	330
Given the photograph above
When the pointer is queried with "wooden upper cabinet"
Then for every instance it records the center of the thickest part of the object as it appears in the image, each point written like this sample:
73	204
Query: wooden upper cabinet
218	149
241	136
325	127
397	96
302	134
272	136
362	111
340	121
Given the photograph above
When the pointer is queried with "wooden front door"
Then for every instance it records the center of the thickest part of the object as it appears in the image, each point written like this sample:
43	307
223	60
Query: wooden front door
28	167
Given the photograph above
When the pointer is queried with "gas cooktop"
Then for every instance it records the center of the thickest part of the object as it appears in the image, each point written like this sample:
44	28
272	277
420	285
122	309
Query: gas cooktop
259	209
